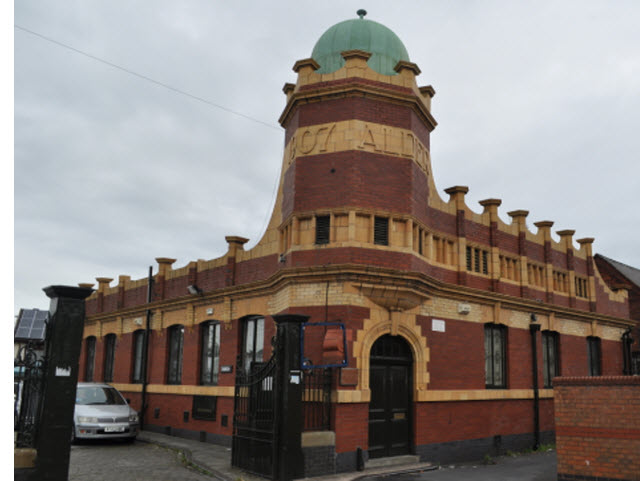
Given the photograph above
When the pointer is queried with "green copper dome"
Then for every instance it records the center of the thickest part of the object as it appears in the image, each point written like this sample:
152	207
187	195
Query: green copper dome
359	34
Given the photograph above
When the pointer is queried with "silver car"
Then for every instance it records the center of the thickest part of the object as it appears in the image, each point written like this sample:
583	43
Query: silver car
101	412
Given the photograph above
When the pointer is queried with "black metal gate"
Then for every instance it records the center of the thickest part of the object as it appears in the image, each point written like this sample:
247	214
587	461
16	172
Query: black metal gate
267	417
28	382
253	445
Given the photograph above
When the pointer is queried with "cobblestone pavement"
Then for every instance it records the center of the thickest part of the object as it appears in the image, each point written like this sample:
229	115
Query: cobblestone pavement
116	461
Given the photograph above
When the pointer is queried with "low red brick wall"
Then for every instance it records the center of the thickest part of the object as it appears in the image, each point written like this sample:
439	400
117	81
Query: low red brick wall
598	427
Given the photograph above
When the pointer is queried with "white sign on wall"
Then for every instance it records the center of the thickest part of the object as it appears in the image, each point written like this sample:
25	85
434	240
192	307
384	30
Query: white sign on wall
437	325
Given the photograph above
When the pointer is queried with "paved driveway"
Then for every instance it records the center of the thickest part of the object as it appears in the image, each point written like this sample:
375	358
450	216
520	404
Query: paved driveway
116	461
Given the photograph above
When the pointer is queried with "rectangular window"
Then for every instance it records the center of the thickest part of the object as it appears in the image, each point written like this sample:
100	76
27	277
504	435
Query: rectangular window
323	225
443	250
477	260
495	356
560	281
381	231
138	356
509	268
550	360
176	341
536	274
635	363
595	356
581	287
253	341
210	360
109	356
91	357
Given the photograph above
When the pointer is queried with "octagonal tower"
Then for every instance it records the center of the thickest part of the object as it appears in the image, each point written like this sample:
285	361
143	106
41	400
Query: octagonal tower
356	169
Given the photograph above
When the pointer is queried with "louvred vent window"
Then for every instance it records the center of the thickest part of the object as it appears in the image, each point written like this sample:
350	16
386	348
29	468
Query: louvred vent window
323	223
381	231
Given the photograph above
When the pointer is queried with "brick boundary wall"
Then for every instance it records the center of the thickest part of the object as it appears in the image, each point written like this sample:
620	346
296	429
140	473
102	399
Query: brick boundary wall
598	427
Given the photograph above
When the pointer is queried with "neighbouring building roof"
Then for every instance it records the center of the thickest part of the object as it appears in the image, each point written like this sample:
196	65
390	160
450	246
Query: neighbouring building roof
615	274
631	273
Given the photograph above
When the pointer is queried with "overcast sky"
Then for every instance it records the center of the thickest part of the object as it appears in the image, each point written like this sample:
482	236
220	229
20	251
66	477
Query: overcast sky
537	103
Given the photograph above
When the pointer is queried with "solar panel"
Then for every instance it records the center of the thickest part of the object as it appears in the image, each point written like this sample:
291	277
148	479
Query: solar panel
31	324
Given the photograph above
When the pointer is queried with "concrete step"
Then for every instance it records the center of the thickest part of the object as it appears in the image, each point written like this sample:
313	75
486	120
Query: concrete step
392	461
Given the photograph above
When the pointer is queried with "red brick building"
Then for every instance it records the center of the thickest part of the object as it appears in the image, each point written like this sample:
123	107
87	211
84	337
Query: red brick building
598	427
436	300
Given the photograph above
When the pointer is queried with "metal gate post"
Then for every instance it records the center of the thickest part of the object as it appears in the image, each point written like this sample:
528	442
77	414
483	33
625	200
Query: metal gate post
289	462
64	339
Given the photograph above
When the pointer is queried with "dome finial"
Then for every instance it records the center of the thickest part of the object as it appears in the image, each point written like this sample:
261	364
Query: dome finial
361	13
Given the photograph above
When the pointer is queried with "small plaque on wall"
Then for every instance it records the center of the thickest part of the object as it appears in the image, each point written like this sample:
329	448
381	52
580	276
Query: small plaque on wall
437	325
226	369
204	408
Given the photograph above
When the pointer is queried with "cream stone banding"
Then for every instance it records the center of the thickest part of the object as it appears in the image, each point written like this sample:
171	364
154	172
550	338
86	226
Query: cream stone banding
357	135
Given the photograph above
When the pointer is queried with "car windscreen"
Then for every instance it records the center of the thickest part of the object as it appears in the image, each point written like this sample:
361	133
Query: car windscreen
94	395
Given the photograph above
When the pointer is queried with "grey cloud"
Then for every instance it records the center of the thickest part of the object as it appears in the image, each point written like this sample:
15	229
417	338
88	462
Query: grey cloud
537	104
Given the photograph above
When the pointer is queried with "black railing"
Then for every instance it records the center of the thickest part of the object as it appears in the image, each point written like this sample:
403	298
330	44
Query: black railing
28	391
316	399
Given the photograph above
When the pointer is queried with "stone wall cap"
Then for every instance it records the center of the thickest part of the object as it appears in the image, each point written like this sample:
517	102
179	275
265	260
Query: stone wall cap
597	381
518	213
70	292
307	62
355	53
586	240
234	239
403	64
488	202
428	90
165	260
456	189
543	224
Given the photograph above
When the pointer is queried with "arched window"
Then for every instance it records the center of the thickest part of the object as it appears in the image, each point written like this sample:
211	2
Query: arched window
90	349
210	348
137	372
252	341
495	356
109	356
594	352
550	358
174	365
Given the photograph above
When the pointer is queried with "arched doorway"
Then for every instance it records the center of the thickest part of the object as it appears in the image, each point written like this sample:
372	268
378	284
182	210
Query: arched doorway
390	407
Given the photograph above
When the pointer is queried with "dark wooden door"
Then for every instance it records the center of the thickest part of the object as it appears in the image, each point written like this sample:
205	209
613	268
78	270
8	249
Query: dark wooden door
390	406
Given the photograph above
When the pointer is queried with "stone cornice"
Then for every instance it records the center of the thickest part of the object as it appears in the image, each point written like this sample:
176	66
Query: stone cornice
354	86
360	274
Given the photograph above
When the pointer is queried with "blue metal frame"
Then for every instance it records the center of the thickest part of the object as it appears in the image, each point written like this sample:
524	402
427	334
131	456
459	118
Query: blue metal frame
344	362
